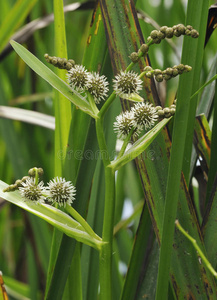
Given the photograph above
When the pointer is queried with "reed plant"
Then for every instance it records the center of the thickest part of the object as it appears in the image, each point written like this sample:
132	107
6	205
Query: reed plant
121	103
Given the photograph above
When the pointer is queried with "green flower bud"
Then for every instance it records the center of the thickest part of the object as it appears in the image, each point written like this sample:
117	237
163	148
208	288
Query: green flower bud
194	33
175	72
160	113
134	57
169	32
181	28
154	34
169	71
172	111
149	39
144	48
163	29
148	68
149	74
159	78
157	71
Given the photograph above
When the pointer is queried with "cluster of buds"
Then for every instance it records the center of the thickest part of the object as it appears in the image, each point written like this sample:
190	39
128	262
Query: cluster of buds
157	36
167	74
166	112
141	116
61	63
57	190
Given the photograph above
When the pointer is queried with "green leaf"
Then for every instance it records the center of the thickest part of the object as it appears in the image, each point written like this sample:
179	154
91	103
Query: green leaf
52	215
139	146
202	141
28	116
12	20
36	65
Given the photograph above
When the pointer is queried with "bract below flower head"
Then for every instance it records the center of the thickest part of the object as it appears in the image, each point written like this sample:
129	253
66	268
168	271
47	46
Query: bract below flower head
97	86
61	191
127	83
123	124
78	77
31	191
144	115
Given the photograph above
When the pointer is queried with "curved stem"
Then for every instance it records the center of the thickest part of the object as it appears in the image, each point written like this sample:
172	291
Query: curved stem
82	222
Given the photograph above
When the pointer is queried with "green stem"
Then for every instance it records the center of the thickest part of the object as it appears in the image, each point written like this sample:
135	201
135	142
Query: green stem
105	263
36	176
92	103
125	143
197	248
82	221
106	105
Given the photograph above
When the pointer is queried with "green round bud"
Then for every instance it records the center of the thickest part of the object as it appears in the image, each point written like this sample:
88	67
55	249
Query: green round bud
46	56
148	69
163	29
174	102
71	61
169	71
159	78
40	171
54	60
160	113
149	74
194	33
134	57
173	106
167	115
144	48
149	39
156	41
18	182
68	66
175	72
166	110
154	34
169	32
161	35
167	77
187	32
172	111
187	68
177	33
181	28
158	108
32	172
157	72
180	68
189	27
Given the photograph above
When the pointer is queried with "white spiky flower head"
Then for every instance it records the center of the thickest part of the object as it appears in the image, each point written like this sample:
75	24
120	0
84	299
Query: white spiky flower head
32	191
97	86
127	83
123	124
144	115
78	77
61	191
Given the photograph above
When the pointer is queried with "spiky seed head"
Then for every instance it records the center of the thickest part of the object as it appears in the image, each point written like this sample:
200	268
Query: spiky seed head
32	191
61	191
144	115
127	83
97	86
123	124
78	77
